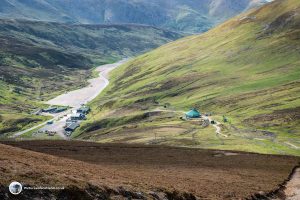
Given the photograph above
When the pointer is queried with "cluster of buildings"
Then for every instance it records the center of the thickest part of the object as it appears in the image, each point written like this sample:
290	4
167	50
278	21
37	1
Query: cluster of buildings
73	122
195	114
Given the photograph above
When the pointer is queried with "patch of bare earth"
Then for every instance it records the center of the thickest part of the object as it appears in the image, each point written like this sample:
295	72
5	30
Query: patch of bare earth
292	188
120	171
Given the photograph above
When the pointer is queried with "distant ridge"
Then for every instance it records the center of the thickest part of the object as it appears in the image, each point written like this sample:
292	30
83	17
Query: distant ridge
178	15
245	70
39	60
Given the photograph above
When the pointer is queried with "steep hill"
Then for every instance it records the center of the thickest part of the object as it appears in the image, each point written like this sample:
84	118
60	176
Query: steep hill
179	15
246	69
40	59
46	44
89	171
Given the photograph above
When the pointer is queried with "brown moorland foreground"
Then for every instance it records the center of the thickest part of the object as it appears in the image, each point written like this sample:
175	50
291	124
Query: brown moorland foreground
119	171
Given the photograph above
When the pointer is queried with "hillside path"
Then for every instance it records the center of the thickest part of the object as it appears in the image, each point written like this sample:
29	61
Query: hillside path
216	126
292	191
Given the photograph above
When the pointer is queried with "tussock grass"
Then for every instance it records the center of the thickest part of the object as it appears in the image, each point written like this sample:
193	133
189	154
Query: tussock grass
246	69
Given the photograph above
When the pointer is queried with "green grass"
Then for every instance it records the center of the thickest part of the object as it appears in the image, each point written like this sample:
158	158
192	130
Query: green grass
31	135
246	69
41	60
24	90
53	45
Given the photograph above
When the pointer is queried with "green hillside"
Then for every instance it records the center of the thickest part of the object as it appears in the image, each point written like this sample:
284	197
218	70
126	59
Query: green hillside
45	44
246	69
39	60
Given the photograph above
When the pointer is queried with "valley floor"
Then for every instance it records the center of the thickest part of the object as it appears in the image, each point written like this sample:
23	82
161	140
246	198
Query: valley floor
72	99
142	171
81	96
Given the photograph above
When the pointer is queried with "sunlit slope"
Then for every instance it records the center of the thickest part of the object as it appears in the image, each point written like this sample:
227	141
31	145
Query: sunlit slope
247	69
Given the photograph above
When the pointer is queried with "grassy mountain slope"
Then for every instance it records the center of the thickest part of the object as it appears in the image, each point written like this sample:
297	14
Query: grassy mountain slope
179	15
36	44
246	69
39	60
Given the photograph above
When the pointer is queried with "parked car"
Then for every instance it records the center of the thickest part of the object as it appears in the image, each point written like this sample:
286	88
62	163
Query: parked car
52	133
68	133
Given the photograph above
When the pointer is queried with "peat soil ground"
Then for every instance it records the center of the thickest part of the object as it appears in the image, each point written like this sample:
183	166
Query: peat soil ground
148	170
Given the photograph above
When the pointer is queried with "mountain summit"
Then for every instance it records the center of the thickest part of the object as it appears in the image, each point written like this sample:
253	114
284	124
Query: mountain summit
179	15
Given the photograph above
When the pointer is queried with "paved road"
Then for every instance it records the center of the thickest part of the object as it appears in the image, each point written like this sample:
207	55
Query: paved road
57	126
75	99
56	117
84	95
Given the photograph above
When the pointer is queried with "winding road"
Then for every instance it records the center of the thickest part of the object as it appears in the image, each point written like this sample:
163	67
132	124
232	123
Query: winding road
84	95
216	125
76	98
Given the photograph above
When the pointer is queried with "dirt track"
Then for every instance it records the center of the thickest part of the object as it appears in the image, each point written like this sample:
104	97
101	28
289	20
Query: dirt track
204	173
292	190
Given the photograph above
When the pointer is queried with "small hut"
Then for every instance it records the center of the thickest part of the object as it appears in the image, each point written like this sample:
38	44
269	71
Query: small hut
72	127
84	110
77	116
193	113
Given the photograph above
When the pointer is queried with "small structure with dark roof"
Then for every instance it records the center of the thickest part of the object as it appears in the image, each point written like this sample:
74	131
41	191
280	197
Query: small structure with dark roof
72	127
59	110
77	116
49	110
84	110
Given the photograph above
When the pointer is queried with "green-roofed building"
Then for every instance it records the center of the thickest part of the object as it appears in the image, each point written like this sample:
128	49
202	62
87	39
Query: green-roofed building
194	113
